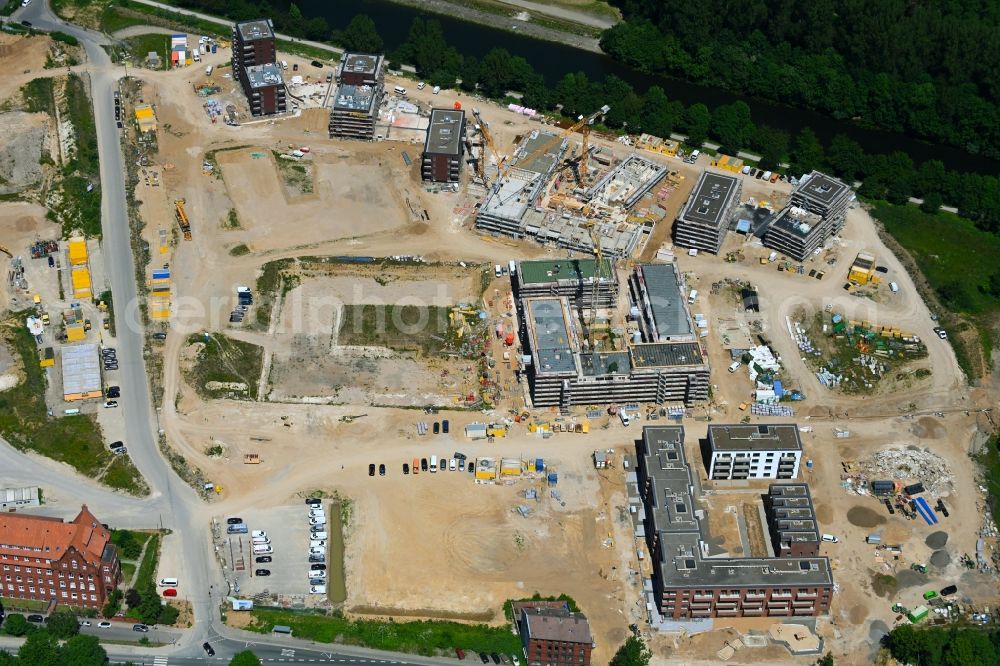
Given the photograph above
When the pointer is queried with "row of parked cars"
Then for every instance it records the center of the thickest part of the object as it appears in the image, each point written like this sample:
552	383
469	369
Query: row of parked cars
485	658
457	463
317	546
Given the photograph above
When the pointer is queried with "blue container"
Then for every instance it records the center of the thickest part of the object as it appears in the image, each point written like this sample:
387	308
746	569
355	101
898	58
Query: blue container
553	479
539	464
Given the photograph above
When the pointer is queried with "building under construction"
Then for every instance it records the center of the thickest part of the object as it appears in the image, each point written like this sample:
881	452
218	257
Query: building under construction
356	102
627	183
706	216
577	279
661	361
444	146
265	89
514	205
816	211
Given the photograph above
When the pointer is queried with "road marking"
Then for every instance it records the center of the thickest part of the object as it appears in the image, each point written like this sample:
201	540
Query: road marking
160	661
287	653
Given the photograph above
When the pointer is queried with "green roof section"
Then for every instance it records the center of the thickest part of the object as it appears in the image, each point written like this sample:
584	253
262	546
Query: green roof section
540	272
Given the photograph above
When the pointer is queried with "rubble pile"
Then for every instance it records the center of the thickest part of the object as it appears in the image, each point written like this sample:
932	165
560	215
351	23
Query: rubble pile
906	465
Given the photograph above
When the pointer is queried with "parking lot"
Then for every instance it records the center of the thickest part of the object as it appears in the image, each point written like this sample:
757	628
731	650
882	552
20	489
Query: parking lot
288	529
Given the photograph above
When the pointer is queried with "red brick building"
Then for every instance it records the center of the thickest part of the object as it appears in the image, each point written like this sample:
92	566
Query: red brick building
554	636
46	559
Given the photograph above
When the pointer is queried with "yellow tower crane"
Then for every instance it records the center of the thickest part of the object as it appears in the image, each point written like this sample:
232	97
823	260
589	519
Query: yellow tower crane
583	123
484	130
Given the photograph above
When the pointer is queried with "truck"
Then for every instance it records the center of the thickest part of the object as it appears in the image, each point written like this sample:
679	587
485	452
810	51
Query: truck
498	270
512	266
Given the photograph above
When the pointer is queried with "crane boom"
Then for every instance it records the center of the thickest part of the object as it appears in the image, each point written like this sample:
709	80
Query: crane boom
582	122
484	130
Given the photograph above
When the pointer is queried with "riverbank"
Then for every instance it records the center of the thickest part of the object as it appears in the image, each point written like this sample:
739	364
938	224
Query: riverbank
525	22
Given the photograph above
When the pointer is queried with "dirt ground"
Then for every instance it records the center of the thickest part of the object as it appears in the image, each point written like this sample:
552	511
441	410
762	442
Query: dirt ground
366	201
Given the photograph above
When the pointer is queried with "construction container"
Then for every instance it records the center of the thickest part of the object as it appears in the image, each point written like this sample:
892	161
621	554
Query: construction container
496	430
539	465
917	614
486	469
510	467
553	479
77	252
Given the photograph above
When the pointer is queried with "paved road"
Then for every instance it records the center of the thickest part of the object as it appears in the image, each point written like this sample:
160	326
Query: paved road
172	500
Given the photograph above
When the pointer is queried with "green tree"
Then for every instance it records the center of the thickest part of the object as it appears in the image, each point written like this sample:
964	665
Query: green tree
732	126
825	660
846	157
807	153
245	658
63	624
40	649
632	653
132	597
659	115
82	651
361	35
113	604
426	48
16	625
772	144
932	202
696	123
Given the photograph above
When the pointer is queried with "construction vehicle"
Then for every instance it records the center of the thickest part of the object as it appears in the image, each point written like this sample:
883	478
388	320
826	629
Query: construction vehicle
182	218
484	130
4	249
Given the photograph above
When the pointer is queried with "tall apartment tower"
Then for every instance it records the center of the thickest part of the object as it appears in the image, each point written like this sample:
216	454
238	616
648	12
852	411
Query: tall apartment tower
816	210
360	83
254	58
444	146
253	44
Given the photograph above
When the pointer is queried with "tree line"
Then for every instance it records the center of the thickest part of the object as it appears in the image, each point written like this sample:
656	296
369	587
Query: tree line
925	68
892	176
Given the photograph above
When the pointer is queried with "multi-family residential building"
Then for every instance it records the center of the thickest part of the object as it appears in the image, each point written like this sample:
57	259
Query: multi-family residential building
688	580
47	559
817	209
706	216
762	451
554	636
791	520
444	146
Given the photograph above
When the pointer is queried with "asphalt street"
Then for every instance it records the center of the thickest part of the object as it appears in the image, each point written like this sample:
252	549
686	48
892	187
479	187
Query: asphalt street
171	501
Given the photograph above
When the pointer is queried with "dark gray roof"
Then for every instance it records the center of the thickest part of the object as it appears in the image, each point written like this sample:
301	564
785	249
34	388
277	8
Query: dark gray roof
355	98
550	335
663	288
361	63
707	203
594	364
797	221
444	133
262	76
660	354
257	29
820	187
554	624
760	437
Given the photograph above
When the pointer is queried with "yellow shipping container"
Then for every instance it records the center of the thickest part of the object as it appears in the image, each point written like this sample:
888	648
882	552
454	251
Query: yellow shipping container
77	252
728	163
486	469
510	467
76	333
80	278
496	430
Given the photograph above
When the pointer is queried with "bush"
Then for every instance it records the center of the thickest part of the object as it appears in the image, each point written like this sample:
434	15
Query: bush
64	38
114	604
63	624
16	625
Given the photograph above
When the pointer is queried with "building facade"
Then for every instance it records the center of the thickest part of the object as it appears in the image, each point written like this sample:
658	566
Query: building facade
356	102
791	520
577	279
253	44
689	580
444	146
764	451
265	89
554	636
46	559
706	216
817	210
255	66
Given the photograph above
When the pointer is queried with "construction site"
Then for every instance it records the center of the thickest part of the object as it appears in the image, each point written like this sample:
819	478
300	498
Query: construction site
525	295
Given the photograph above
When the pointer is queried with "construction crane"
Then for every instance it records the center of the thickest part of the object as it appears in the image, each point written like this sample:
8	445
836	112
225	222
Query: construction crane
595	240
583	123
484	130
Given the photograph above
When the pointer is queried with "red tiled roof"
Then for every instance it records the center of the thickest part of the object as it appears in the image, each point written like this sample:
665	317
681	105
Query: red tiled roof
53	536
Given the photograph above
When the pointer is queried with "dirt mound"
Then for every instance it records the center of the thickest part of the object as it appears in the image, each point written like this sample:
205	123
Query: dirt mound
862	516
928	428
910	578
21	138
936	540
941	558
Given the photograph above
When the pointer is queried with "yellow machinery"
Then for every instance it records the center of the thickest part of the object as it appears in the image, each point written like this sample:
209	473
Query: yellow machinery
484	130
6	251
862	271
182	218
583	123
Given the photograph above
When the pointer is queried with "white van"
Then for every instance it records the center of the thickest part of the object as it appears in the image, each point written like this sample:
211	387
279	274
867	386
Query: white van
399	90
262	549
284	64
436	90
734	366
692	297
623	415
434	464
208	71
258	533
420	86
829	538
168	582
260	541
893	287
498	270
512	267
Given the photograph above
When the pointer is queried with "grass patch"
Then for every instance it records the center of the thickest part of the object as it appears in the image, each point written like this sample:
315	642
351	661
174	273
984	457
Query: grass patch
508	606
75	440
274	274
110	314
114	19
402	327
140	46
958	263
296	176
128	570
12	604
422	637
239	250
147	568
39	96
228	361
232	221
884	584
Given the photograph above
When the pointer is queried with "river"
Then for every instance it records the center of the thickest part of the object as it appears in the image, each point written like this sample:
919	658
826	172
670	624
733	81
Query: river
554	60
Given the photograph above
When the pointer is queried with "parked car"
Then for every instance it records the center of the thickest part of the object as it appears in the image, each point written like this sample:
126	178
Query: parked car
110	404
258	533
317	582
114	392
317	557
381	470
444	426
317	535
316	521
317	589
209	650
317	574
159	336
84	623
948	591
317	63
233	521
437	427
104	624
262	572
371	469
484	658
460	653
472	468
317	567
406	468
170	592
141	628
317	543
495	657
36	618
423	464
314	501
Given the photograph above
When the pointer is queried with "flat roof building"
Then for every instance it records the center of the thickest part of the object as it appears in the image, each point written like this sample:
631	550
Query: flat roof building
791	520
254	46
444	146
664	363
572	278
359	94
16	498
81	372
762	451
817	210
265	89
706	216
690	583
